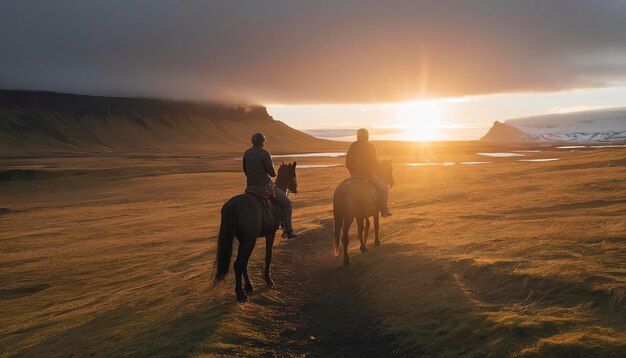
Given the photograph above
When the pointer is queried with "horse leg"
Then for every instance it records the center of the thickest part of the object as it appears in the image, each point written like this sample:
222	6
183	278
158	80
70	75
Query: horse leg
366	234
247	284
359	224
248	287
346	239
376	229
338	225
246	245
269	243
241	297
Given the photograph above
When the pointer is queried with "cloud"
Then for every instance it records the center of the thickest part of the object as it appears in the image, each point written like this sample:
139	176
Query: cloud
311	51
584	108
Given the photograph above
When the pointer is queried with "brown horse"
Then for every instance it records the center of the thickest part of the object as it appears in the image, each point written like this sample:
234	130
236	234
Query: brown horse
247	217
356	199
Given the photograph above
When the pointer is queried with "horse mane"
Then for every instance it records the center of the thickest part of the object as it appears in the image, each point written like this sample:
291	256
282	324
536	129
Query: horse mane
283	166
282	177
290	164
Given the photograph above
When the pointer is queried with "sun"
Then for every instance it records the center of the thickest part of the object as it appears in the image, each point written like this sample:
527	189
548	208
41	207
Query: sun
420	121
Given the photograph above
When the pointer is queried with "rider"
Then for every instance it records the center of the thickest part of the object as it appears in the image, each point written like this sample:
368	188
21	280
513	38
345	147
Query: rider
258	167
361	161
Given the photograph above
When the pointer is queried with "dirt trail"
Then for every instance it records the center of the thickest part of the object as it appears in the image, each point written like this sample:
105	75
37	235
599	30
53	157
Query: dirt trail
312	311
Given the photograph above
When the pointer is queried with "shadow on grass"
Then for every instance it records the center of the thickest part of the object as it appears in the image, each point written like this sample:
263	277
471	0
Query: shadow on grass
399	299
111	333
445	306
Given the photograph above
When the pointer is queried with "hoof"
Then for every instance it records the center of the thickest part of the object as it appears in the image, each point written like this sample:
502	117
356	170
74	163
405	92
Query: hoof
346	262
241	297
363	248
377	242
269	282
249	288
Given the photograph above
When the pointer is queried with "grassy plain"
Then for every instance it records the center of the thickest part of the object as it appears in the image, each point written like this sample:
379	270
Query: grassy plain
112	255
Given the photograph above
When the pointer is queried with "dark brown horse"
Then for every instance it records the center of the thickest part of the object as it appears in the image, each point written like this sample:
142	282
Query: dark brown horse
247	217
356	199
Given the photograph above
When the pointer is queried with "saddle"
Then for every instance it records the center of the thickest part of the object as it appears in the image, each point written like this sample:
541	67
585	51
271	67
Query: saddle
361	180
269	205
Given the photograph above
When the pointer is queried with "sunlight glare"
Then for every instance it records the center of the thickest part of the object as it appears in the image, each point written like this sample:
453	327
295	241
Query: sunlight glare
420	121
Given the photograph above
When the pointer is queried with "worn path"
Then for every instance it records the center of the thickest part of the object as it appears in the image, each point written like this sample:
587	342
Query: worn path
312	311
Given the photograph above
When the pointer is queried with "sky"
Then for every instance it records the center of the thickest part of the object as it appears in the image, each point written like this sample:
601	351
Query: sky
462	118
428	65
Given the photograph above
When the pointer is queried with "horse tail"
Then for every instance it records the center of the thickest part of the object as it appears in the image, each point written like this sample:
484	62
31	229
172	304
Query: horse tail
225	242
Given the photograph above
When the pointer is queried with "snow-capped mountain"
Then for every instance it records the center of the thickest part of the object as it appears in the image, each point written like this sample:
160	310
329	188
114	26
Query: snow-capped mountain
584	137
585	126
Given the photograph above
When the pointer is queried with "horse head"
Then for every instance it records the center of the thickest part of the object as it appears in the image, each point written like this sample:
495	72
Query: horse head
287	178
385	171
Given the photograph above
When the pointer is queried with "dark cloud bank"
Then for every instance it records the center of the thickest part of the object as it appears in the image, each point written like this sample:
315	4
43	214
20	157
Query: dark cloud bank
311	51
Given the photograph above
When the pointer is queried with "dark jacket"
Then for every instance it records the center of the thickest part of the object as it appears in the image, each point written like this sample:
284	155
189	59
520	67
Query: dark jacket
258	166
361	158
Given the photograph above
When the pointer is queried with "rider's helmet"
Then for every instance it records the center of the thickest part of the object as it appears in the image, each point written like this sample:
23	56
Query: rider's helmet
258	139
362	134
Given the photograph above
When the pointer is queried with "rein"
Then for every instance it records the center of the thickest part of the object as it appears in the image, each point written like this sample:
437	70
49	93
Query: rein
282	187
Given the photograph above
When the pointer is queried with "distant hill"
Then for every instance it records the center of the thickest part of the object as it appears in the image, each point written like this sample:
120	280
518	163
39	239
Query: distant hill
605	125
39	123
501	132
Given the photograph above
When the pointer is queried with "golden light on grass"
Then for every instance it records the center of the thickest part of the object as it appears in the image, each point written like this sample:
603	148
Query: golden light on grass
420	121
505	259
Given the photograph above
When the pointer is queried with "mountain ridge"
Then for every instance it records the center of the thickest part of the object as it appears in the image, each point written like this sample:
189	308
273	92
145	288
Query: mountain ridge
42	123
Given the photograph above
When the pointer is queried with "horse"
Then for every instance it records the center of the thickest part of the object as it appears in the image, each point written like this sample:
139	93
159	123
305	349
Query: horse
355	198
247	217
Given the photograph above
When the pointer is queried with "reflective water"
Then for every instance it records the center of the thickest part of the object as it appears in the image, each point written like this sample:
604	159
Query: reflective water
308	166
501	155
538	160
609	146
311	155
428	164
592	146
474	163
